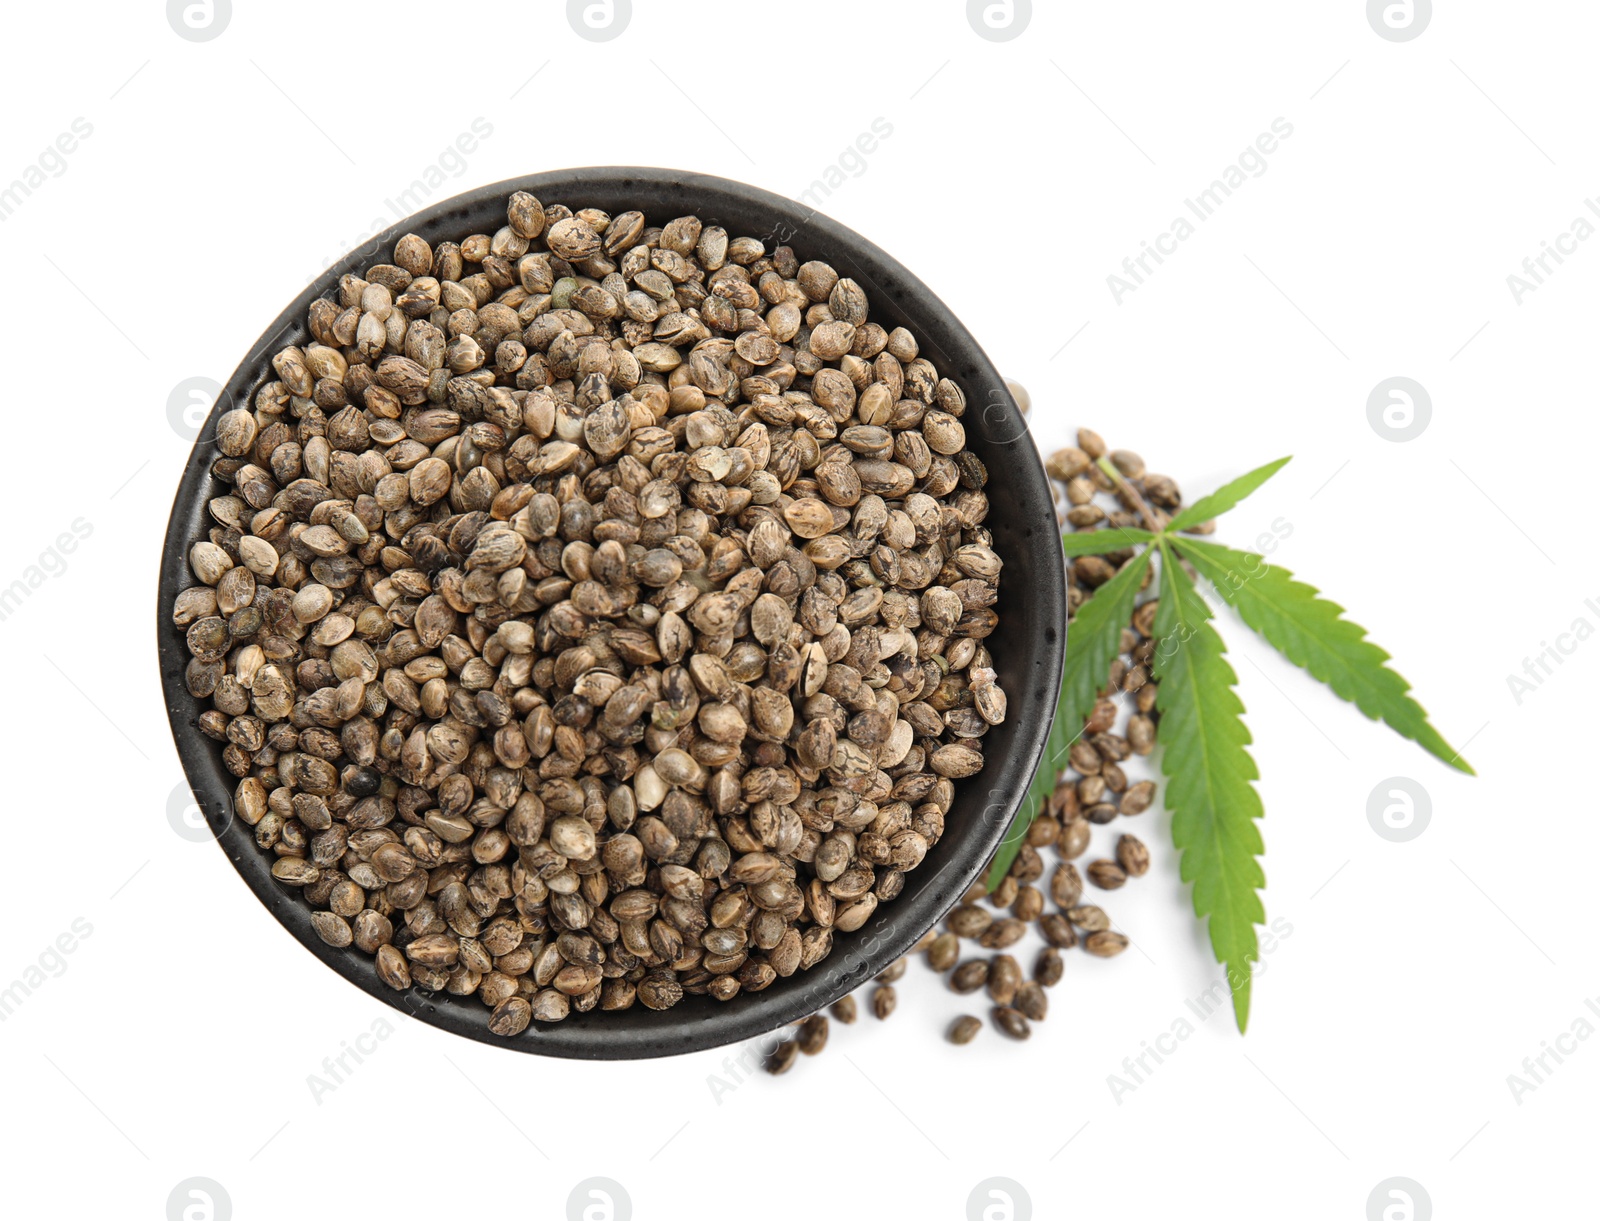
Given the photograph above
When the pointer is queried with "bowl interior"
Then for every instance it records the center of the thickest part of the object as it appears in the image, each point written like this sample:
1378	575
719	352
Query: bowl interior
1027	649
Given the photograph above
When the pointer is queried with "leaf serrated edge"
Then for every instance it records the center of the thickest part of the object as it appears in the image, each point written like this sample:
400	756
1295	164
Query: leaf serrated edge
1236	959
1226	497
1098	542
1379	691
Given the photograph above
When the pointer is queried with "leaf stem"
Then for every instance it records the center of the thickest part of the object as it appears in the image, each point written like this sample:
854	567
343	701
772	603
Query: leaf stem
1131	494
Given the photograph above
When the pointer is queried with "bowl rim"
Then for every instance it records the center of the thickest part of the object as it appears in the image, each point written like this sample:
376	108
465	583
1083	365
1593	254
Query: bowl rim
893	929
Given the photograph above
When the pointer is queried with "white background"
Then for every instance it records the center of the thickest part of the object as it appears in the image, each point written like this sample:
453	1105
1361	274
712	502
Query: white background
1419	175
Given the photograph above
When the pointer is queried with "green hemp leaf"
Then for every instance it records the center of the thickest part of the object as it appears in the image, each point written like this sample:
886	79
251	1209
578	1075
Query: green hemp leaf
1203	739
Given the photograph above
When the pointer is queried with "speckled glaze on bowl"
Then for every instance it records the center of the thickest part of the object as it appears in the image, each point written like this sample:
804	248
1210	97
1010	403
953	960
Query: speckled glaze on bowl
1027	649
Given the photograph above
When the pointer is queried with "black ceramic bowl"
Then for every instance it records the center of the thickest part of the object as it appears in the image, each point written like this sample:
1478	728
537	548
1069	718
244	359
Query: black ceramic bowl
1027	649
